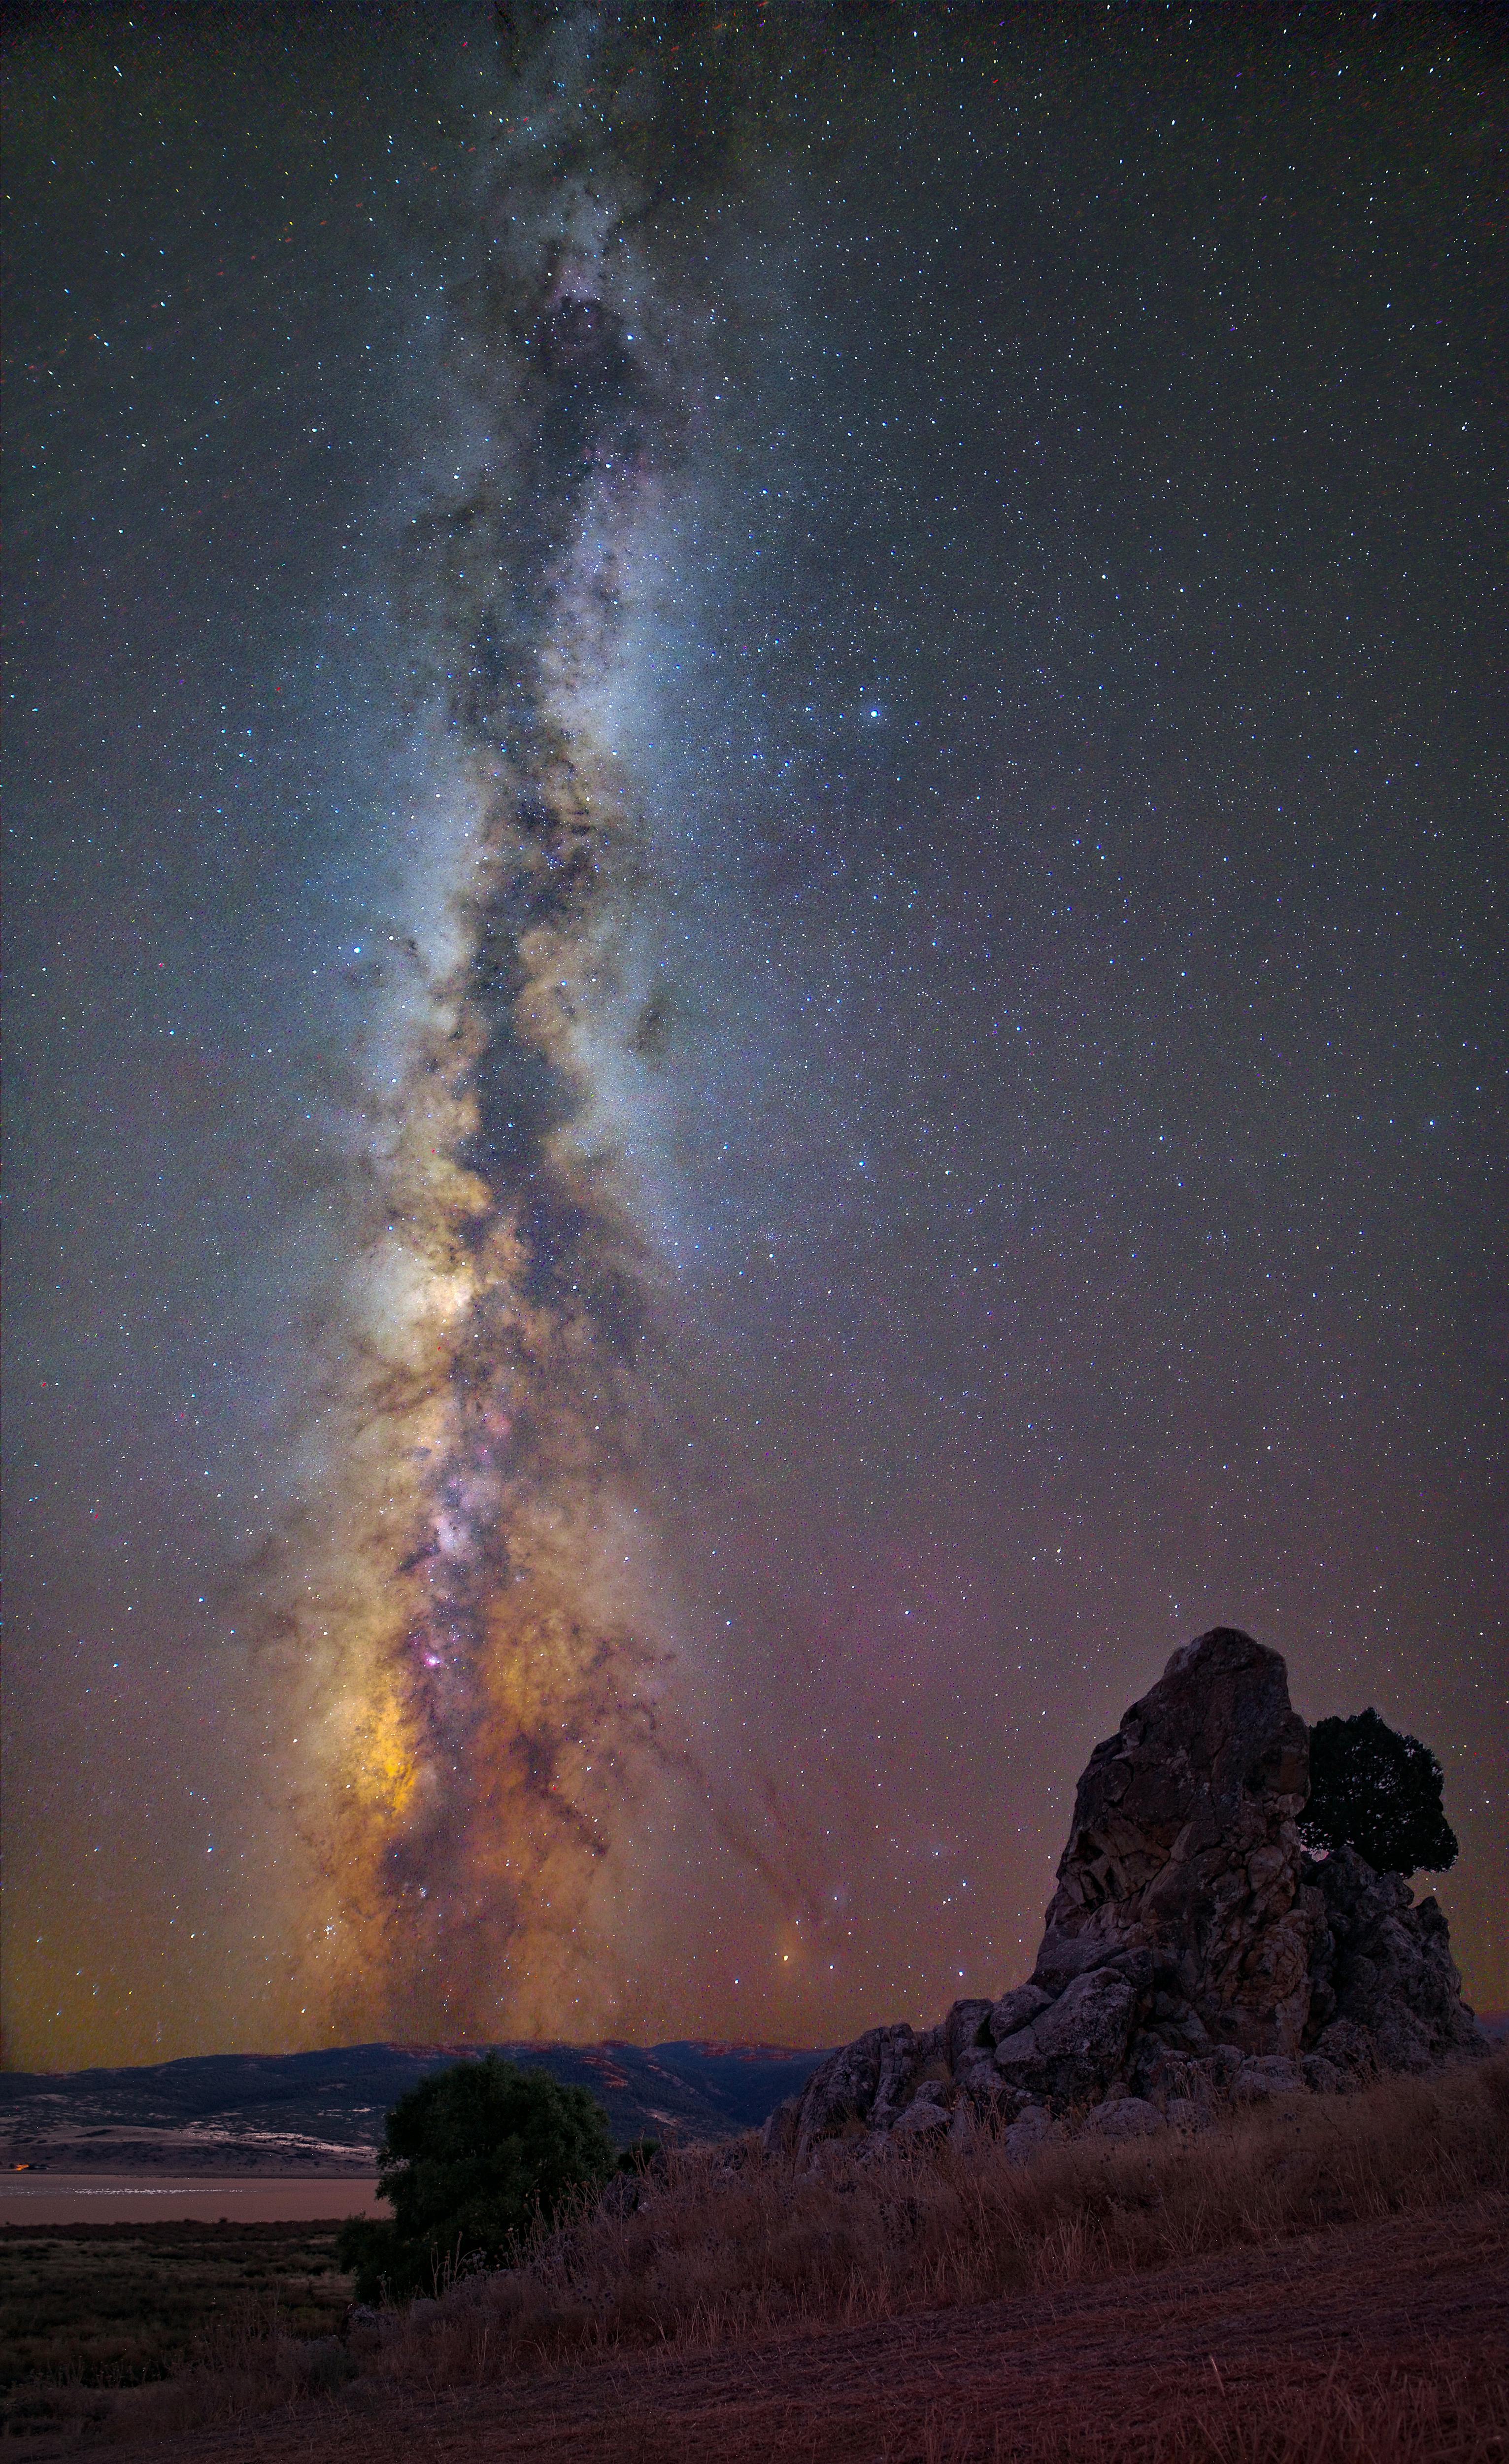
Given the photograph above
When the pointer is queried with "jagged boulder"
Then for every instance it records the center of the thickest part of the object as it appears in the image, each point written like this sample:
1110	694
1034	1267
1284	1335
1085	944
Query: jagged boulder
1385	1991
1192	1945
1182	1919
864	2087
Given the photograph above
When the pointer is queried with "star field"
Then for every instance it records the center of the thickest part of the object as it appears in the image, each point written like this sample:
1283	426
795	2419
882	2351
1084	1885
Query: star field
1058	1104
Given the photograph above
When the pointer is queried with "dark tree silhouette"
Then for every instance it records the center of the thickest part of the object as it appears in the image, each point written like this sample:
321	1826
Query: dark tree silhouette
1379	1793
469	2159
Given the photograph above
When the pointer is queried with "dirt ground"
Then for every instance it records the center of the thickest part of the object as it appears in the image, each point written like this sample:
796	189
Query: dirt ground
1341	2327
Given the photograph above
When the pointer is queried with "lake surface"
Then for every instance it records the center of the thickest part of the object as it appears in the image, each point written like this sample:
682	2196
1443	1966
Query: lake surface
122	2198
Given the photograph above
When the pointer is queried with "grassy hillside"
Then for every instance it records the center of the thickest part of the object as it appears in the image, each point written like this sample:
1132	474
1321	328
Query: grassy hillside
1320	2281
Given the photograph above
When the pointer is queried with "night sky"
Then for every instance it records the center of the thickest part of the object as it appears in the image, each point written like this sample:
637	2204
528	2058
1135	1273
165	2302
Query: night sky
756	984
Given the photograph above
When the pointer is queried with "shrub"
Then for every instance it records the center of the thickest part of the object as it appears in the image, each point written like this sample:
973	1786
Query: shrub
470	2158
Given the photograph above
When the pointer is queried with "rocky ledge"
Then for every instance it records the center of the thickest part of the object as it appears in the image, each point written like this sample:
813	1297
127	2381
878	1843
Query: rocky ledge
1193	1950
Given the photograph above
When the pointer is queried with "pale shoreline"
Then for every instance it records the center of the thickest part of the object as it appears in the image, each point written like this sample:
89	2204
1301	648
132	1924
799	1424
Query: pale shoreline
48	2198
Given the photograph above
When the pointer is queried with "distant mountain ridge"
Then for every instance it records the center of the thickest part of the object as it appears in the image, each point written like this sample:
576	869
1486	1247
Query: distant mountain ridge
324	2112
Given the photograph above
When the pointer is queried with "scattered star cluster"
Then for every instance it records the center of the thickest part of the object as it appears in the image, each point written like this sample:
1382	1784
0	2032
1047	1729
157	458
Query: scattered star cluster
757	986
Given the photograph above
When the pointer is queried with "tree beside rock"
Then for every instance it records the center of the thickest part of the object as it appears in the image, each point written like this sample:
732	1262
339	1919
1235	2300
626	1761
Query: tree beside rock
1193	1946
1379	1793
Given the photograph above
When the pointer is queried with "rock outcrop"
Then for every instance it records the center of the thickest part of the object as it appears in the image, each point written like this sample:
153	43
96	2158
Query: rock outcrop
1384	1989
1192	1946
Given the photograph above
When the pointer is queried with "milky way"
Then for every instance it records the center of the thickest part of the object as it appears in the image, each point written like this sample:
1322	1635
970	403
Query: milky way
478	1650
757	986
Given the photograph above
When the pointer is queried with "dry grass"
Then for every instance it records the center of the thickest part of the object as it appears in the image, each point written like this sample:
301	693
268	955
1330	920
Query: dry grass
720	2254
1461	2418
734	2254
90	2309
1455	2416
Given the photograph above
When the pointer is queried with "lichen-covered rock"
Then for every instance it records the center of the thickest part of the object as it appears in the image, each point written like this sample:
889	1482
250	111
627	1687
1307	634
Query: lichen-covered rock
1266	2075
975	2074
1193	1949
866	2082
1383	1966
1016	2010
840	2092
927	2116
1032	2129
1126	2116
966	2030
1183	1847
1076	2045
1322	2076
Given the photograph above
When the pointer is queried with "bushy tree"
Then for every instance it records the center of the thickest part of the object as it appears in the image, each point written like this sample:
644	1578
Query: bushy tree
1377	1792
469	2158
